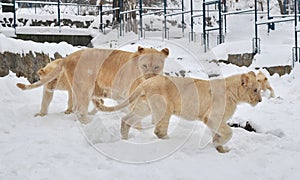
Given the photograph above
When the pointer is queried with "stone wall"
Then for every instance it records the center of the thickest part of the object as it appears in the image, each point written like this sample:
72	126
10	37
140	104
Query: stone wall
25	65
246	59
240	60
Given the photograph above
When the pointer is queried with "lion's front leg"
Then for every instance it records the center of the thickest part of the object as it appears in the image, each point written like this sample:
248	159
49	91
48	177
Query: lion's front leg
222	136
222	133
272	95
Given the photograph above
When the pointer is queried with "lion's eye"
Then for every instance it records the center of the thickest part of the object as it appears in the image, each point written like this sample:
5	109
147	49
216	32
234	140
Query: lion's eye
145	66
255	90
156	68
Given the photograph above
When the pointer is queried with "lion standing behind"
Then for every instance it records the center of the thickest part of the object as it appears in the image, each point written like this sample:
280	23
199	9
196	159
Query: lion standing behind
102	72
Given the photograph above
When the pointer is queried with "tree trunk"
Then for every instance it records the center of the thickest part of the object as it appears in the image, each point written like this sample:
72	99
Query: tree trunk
116	13
261	5
281	6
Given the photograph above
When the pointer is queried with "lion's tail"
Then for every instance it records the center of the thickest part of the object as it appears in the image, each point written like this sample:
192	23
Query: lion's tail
132	98
49	77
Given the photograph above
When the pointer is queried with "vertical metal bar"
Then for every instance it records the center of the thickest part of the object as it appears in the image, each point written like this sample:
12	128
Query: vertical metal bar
15	15
204	24
225	16
78	9
182	16
225	23
255	28
284	6
165	18
58	13
101	16
296	35
220	24
268	14
120	16
192	21
141	18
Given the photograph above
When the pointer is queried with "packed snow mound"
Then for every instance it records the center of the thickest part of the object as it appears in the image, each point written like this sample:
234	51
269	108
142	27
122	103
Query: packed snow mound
99	132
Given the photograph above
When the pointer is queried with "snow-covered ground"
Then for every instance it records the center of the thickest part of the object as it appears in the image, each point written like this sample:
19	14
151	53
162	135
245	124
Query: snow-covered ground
57	147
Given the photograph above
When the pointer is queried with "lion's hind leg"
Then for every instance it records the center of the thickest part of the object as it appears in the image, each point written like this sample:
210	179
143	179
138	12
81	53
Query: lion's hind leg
131	119
70	103
47	97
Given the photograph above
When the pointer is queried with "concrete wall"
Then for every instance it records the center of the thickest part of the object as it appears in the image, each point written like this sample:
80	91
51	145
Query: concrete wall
76	40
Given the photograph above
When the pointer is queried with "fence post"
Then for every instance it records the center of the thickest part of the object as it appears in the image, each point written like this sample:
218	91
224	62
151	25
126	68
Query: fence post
15	16
192	21
255	50
204	26
58	13
296	33
120	16
182	17
101	18
221	38
165	19
141	18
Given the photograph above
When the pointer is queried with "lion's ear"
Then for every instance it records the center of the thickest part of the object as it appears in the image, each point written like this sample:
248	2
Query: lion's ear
140	49
244	80
259	72
165	51
252	73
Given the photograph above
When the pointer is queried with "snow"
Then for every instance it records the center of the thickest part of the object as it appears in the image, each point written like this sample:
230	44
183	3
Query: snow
13	45
57	147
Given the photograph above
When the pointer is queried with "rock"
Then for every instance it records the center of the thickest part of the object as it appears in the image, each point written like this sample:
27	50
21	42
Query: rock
241	59
57	55
4	70
25	65
281	70
182	73
247	127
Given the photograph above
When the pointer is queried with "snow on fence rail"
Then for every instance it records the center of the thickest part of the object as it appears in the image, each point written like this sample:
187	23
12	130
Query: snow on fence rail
276	20
167	12
6	4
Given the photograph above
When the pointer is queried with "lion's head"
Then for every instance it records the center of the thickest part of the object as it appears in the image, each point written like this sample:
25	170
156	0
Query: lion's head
249	90
262	80
150	60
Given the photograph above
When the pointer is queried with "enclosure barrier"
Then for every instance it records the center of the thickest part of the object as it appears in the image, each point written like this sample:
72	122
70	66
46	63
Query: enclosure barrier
204	13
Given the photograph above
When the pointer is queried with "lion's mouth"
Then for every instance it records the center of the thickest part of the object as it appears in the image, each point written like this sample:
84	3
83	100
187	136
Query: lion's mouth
254	103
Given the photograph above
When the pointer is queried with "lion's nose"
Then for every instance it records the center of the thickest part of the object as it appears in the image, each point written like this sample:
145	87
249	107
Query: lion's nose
259	100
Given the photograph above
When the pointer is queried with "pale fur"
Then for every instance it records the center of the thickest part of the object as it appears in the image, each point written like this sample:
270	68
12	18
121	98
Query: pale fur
102	73
59	83
264	83
213	102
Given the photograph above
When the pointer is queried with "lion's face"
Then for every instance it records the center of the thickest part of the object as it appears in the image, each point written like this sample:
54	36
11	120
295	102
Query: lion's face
151	61
262	80
250	89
